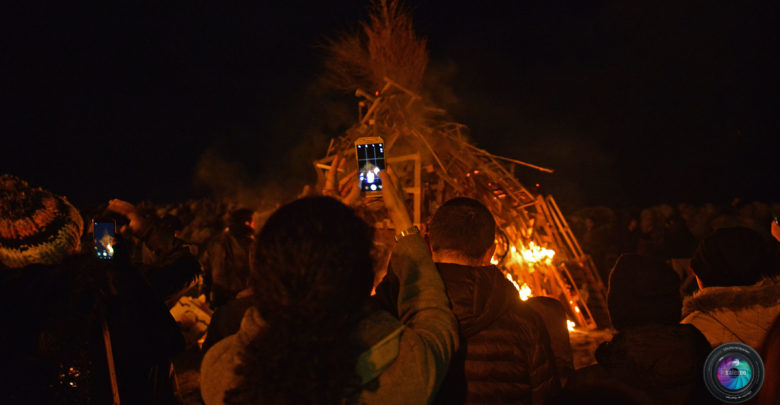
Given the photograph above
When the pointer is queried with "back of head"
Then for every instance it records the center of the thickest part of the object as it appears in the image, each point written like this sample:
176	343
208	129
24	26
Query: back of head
312	251
463	225
643	291
311	272
36	226
732	257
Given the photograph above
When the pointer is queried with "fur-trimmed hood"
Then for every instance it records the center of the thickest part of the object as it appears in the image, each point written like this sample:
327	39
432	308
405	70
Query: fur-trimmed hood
765	293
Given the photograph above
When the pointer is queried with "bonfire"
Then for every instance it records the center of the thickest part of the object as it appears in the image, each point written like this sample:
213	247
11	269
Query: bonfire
384	65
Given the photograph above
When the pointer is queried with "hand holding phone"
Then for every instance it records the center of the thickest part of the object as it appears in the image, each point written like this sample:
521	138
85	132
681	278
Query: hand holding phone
105	238
370	153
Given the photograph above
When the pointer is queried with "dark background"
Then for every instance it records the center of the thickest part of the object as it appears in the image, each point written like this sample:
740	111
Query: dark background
633	103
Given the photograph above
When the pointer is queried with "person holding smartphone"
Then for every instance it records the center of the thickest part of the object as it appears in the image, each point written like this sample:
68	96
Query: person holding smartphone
312	335
80	324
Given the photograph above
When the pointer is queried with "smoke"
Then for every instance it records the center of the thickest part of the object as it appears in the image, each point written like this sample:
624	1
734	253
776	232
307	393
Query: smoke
228	180
437	85
266	167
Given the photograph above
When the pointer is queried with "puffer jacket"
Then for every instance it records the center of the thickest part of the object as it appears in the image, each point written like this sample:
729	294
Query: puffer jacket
660	364
505	354
734	314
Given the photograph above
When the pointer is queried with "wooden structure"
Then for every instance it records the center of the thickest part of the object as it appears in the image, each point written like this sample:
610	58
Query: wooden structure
435	162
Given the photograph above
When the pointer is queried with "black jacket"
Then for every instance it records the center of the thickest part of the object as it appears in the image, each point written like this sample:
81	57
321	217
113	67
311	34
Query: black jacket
662	363
53	347
505	354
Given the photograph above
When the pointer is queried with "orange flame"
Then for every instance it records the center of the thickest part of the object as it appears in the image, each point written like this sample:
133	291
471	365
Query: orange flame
523	291
527	258
537	254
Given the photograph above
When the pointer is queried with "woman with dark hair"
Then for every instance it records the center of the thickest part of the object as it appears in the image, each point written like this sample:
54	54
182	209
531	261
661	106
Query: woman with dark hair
76	329
312	337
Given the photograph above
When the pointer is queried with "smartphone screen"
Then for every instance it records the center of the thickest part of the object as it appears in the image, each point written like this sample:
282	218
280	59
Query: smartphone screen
104	240
371	160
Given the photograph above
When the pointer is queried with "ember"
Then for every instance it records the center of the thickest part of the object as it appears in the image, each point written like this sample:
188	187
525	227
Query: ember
570	325
524	291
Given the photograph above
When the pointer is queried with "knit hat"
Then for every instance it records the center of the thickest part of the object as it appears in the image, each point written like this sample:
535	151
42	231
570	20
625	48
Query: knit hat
36	226
643	291
732	257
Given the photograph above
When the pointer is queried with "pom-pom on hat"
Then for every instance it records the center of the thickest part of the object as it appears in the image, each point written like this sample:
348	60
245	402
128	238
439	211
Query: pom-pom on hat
36	226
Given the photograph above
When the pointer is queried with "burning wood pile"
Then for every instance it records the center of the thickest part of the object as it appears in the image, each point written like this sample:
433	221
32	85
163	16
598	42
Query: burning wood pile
434	161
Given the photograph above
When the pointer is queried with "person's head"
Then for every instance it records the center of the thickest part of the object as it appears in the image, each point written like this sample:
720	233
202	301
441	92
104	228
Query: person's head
314	251
463	230
36	226
732	257
643	291
311	273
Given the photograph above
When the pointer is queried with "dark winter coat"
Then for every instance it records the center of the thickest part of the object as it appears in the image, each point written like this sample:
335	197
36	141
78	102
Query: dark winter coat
53	347
505	355
226	264
661	363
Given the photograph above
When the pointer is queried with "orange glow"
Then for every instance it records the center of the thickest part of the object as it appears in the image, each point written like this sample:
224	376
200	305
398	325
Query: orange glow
570	325
537	254
523	291
527	257
520	259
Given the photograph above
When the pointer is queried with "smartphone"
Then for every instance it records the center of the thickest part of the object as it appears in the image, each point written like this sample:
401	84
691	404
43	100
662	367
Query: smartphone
371	160
105	238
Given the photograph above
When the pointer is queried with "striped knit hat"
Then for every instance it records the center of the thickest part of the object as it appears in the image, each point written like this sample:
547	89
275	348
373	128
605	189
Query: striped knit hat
36	226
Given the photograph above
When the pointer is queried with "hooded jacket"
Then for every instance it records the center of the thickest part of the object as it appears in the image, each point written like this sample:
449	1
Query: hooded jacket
734	314
658	363
505	354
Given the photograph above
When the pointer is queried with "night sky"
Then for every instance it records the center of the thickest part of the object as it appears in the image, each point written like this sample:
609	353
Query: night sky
633	103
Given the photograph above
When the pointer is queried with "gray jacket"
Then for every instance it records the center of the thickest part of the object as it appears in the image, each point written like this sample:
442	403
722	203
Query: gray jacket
407	359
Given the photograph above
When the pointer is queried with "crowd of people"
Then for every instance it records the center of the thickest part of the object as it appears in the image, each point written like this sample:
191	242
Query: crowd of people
301	318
